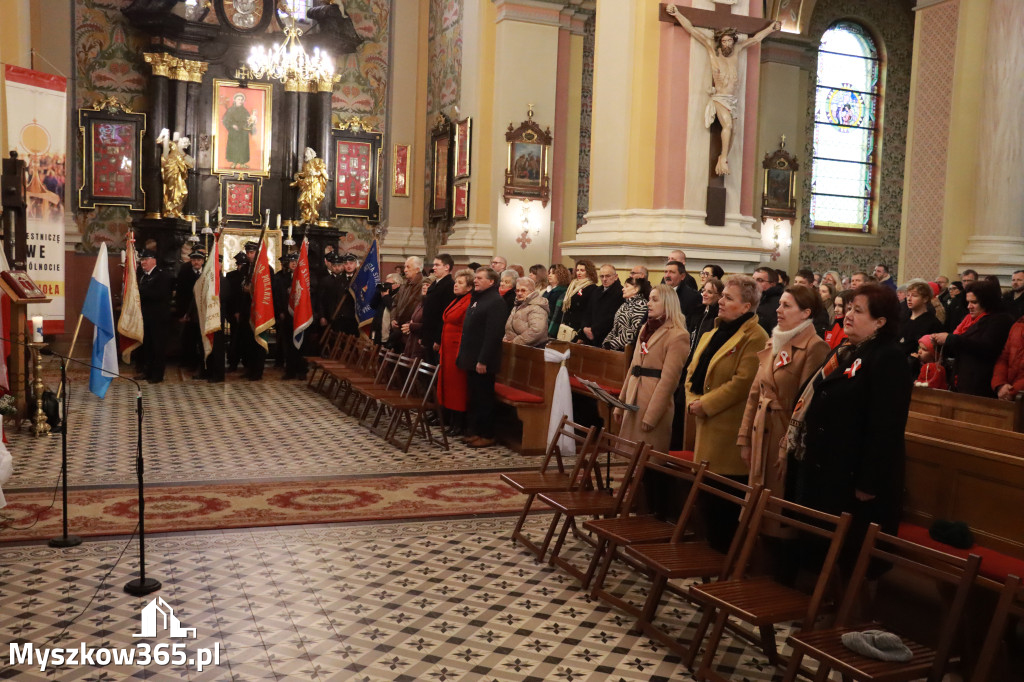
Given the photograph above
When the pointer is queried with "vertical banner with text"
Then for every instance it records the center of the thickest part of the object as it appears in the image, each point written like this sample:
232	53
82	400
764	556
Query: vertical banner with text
37	130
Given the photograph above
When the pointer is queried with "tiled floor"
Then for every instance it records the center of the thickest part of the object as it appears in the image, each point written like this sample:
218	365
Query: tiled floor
434	600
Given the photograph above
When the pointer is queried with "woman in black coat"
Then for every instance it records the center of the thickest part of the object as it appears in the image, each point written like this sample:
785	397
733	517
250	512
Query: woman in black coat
578	295
845	440
976	343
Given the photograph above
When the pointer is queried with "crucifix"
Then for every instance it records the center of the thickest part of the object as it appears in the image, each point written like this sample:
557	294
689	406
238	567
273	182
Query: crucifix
724	48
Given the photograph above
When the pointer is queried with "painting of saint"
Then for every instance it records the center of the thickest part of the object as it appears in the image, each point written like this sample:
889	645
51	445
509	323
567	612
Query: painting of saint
242	128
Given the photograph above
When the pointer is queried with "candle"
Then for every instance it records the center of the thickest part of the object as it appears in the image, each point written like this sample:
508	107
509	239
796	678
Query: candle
193	227
289	230
278	222
124	257
37	328
206	219
218	214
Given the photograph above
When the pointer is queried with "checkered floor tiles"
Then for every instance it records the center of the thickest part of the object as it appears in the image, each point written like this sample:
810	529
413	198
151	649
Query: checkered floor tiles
195	431
438	600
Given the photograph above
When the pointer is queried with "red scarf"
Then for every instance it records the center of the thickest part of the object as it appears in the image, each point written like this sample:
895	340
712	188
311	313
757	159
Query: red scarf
967	323
653	325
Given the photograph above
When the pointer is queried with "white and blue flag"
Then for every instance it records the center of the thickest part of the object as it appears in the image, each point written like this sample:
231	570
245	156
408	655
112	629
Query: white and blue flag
98	310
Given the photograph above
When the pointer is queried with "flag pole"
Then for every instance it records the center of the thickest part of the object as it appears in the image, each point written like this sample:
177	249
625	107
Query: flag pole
71	353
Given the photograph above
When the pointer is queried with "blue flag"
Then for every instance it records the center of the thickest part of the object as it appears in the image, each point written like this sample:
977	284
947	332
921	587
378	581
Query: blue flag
98	310
365	285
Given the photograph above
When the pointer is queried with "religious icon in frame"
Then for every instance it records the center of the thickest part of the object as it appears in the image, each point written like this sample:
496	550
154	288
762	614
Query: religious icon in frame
526	173
241	127
240	199
356	150
778	197
463	144
441	168
460	201
400	171
111	156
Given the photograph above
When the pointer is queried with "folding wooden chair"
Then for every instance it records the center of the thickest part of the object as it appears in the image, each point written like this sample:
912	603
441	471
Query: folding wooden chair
602	499
544	480
358	361
398	384
335	352
758	599
682	558
1011	603
826	647
411	410
631	529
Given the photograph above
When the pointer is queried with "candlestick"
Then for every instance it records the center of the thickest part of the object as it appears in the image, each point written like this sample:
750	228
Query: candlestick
206	219
193	227
37	328
289	228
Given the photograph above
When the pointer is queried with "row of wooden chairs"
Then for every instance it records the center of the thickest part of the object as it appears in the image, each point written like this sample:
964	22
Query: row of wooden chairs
732	584
391	394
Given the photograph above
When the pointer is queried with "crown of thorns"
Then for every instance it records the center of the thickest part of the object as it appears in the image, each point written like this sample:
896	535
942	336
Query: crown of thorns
721	33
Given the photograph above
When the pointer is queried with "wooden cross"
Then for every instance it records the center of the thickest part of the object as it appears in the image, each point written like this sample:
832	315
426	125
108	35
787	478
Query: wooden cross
717	19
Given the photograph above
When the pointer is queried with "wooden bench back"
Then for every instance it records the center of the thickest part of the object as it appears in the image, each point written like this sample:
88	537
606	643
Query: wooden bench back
605	367
956	480
524	368
999	414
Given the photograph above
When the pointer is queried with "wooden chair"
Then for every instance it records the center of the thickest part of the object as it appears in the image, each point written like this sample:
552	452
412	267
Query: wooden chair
630	528
544	480
1011	603
682	558
826	647
338	353
399	384
758	599
360	363
601	499
348	381
412	409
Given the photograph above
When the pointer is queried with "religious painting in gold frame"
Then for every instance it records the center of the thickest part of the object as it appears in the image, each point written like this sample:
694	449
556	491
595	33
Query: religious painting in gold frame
460	201
242	127
233	239
778	196
111	156
463	145
441	168
526	172
400	171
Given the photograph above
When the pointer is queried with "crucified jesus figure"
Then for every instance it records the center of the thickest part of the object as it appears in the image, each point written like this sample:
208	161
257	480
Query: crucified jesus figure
723	51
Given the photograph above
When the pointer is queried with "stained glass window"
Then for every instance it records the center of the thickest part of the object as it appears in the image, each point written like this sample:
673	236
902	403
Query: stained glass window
845	116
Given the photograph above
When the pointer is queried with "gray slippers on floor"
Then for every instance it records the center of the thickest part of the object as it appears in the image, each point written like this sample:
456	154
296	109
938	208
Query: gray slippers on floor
877	644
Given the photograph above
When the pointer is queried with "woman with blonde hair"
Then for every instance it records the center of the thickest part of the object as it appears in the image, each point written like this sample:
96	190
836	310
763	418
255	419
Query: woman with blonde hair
661	349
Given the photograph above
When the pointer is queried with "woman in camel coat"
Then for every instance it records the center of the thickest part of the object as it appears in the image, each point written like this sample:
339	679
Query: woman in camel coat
791	356
658	357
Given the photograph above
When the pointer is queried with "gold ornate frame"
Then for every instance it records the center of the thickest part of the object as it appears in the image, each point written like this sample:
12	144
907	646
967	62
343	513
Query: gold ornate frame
220	141
526	171
400	151
233	239
778	195
107	111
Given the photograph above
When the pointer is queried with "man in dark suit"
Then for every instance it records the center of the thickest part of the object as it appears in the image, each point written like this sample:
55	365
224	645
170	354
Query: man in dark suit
680	257
437	298
1013	300
230	295
188	316
599	316
480	356
771	291
155	286
689	299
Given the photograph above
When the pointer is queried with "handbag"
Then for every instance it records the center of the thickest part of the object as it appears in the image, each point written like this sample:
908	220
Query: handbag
566	333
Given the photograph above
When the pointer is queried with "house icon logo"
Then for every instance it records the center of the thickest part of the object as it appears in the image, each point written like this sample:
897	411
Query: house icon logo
159	613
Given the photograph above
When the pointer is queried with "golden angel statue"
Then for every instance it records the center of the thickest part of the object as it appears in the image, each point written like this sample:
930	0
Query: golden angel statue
312	184
174	167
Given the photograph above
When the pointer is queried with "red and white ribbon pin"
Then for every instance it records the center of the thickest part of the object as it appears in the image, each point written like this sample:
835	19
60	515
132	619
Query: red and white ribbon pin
852	369
783	360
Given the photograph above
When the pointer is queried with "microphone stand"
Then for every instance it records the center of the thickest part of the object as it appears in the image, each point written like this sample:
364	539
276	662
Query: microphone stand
142	585
64	540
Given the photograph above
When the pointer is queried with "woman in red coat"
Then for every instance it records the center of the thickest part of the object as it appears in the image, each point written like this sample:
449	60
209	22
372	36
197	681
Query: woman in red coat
451	382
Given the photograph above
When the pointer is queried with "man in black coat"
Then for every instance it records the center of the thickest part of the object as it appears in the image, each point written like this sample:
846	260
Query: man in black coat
599	316
437	298
689	300
1013	300
188	316
335	304
155	286
480	356
294	362
230	293
771	292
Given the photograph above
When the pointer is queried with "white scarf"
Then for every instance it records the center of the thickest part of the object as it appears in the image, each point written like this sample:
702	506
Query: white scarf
781	338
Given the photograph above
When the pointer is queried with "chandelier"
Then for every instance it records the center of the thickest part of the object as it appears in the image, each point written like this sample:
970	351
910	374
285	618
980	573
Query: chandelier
288	60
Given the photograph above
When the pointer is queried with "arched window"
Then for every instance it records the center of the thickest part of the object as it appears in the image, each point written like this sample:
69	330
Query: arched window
844	169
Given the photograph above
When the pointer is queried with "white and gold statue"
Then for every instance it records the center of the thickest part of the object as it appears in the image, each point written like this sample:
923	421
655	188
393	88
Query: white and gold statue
174	167
312	183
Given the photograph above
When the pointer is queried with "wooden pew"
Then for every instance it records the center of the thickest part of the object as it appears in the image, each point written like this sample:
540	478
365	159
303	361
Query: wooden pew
999	414
526	382
606	368
960	471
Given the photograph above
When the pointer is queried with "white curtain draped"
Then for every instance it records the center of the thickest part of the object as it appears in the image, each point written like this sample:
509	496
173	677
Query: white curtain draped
561	400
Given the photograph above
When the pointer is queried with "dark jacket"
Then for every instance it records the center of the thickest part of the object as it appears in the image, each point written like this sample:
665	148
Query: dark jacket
437	298
554	297
1013	306
184	298
768	308
482	331
600	314
855	438
911	330
974	354
573	317
691	304
956	311
155	295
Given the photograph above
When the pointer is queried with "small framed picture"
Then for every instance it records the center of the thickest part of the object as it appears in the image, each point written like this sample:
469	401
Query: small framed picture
526	175
240	199
356	150
400	171
111	156
441	168
460	201
463	144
